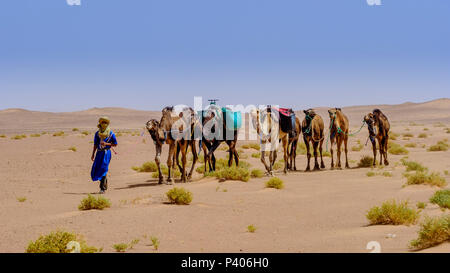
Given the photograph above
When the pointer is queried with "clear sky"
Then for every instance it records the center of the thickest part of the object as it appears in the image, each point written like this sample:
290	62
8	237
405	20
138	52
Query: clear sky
146	54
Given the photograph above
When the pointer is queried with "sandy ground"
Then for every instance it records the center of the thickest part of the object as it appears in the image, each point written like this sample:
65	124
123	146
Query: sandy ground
316	212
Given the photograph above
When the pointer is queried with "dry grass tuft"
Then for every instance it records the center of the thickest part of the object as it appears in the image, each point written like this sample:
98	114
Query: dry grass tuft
392	213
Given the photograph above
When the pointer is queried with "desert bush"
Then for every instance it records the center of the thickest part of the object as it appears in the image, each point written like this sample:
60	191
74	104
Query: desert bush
387	174
155	242
251	146
392	213
433	231
278	165
35	135
19	137
275	183
122	247
439	124
393	136
256	173
421	205
408	135
233	173
413	165
86	133
56	242
423	177
165	171
251	228
357	148
326	154
448	130
410	145
21	199
2	136
75	130
422	135
58	134
91	202
440	146
179	196
73	149
365	161
370	174
256	155
147	167
441	198
426	129
397	149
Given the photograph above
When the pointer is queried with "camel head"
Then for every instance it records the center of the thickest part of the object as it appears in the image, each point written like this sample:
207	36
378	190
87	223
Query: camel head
310	113
369	119
154	129
166	119
333	112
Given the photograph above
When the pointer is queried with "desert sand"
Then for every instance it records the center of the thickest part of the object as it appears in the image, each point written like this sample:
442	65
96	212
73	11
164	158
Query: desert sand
320	211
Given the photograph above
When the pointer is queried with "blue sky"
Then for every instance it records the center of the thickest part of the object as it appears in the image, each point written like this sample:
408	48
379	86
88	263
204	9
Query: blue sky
146	54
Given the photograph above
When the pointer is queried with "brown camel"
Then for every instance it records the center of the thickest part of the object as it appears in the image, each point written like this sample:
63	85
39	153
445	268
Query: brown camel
378	125
179	133
270	137
216	133
292	145
339	130
313	131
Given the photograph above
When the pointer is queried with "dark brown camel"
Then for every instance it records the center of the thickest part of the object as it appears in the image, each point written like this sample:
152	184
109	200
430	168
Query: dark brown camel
292	146
313	132
270	139
339	130
378	125
215	131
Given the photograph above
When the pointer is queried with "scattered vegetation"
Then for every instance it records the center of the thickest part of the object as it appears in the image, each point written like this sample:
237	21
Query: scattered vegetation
256	173
392	213
91	202
408	135
393	136
256	155
155	242
86	133
275	183
58	134
35	135
365	162
147	167
232	173
278	165
75	130
56	242
251	146
433	231
423	177
122	247
2	136
251	228
73	149
410	145
440	146
397	149
413	165
357	148
370	174
19	137
21	199
441	198
421	205
422	135
179	196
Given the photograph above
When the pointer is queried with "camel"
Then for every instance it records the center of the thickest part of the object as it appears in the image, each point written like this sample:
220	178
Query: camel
378	125
214	120
292	146
339	130
179	133
270	136
313	131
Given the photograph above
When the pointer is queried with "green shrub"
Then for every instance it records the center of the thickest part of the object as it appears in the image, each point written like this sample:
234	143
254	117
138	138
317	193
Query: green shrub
2	136
278	165
357	148
19	137
120	247
393	136
423	177
251	228
326	154
422	135
410	145
275	183
91	202
413	165
408	135
256	173
433	231
56	242
440	146
35	135
155	242
147	167
179	196
426	129
441	198
75	130
86	133
73	149
397	149
58	134
252	146
233	173
421	205
21	199
365	162
370	174
256	155
387	174
391	213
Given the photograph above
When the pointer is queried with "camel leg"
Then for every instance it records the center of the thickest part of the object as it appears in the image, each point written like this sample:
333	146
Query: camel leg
236	155
158	162
386	140
170	163
346	152
177	156
316	162
374	148
285	151
263	160
231	152
194	160
183	161
332	152
294	154
322	164
339	144
308	154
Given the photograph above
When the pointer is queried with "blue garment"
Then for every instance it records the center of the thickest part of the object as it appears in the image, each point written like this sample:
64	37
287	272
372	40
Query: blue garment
103	157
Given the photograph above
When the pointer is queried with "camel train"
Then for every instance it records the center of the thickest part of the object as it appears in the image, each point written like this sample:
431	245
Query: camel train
274	127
